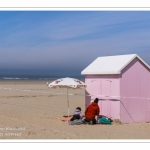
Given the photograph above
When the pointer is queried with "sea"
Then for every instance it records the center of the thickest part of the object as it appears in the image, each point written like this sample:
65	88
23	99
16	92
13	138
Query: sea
40	78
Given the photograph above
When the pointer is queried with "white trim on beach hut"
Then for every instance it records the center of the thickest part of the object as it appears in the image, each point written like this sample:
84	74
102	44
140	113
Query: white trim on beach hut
110	64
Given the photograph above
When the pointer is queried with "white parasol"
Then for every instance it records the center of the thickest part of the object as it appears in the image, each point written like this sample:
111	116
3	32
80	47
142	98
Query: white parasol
67	83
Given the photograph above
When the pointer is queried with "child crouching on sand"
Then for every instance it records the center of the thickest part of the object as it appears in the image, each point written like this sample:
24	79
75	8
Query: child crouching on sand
77	114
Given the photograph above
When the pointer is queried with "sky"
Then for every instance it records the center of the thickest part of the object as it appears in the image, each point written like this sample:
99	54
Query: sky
63	43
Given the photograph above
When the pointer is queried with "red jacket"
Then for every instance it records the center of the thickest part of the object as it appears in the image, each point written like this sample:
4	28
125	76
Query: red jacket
92	110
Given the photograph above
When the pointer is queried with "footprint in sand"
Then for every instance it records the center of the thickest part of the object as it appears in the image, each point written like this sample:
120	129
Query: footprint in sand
31	133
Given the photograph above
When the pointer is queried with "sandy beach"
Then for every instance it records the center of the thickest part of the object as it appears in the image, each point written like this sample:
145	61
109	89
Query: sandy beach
31	110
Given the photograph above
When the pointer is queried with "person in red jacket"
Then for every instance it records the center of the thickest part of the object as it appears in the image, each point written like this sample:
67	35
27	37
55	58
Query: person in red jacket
91	112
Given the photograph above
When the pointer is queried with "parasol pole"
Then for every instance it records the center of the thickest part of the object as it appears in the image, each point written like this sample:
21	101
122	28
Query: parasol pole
68	101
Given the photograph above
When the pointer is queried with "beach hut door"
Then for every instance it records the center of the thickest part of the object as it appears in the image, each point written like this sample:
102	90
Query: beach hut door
106	88
95	88
106	94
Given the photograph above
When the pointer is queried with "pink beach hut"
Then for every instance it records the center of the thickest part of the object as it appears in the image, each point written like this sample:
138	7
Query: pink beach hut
122	83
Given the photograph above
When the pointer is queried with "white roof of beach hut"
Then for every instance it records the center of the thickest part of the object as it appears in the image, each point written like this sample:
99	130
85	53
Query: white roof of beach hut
111	64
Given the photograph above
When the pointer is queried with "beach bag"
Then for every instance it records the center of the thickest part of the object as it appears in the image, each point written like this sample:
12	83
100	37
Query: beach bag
75	122
104	120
